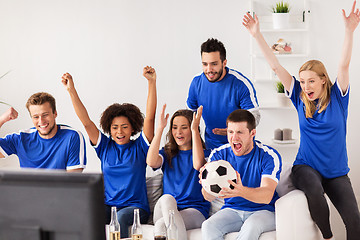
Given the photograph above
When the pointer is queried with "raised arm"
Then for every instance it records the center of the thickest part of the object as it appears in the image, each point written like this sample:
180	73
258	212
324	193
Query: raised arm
351	23
153	159
197	148
9	115
149	122
80	110
252	25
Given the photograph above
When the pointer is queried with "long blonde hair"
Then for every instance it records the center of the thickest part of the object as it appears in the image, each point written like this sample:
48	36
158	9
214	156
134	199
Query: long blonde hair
324	99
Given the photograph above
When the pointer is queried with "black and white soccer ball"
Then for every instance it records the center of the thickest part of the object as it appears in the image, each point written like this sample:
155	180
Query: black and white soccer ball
216	175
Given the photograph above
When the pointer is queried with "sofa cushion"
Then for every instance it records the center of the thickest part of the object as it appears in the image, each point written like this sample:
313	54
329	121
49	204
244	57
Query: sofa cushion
154	192
285	184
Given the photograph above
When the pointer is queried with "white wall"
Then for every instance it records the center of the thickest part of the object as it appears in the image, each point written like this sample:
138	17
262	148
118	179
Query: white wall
105	44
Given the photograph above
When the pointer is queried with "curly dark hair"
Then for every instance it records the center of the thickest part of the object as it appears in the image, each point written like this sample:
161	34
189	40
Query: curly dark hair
171	148
132	112
214	45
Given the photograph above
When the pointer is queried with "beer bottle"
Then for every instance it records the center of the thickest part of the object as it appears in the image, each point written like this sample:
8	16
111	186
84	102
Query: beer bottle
136	229
172	231
114	227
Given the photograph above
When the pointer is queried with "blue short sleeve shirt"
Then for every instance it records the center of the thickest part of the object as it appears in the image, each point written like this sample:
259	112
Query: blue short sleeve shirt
219	99
323	137
124	170
66	150
181	180
263	161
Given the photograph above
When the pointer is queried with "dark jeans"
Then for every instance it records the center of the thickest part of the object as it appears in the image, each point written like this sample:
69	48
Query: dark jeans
126	217
339	191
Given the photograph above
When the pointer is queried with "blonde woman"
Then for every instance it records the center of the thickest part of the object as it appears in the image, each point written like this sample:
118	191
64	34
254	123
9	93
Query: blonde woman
321	164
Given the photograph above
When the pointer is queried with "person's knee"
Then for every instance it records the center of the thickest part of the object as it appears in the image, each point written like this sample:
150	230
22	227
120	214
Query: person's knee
210	230
125	217
316	192
167	198
206	225
250	231
258	223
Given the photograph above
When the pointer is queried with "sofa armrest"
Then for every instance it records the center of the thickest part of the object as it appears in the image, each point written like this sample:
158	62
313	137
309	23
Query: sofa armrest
293	220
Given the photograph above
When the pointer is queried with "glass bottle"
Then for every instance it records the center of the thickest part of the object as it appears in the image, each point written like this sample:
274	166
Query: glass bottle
136	229
172	231
114	227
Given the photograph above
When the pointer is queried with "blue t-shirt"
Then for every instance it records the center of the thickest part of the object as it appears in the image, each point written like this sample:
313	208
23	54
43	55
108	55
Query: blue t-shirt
124	170
181	180
219	99
323	137
262	161
66	150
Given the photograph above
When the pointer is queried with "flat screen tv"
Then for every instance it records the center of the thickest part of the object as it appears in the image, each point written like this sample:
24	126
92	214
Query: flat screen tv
51	205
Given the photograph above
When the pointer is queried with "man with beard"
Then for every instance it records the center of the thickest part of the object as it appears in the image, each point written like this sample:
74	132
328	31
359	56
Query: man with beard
220	90
47	144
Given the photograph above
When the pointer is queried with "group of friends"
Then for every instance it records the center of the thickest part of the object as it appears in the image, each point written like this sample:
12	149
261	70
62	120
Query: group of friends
227	102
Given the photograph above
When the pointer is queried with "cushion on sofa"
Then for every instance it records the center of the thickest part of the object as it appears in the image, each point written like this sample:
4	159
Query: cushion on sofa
154	192
285	184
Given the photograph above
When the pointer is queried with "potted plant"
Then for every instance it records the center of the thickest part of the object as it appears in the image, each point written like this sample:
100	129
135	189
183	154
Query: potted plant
281	15
283	100
279	87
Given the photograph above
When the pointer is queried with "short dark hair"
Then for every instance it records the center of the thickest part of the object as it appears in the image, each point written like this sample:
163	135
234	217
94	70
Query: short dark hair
242	115
128	110
214	45
40	98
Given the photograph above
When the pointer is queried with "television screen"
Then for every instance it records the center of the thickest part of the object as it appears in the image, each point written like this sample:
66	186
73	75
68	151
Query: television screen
51	205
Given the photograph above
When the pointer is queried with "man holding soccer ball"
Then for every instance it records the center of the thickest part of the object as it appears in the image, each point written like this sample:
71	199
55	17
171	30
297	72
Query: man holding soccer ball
249	206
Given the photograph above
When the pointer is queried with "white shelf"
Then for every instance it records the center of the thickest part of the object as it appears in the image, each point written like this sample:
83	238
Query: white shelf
271	30
275	112
276	108
290	55
265	80
277	146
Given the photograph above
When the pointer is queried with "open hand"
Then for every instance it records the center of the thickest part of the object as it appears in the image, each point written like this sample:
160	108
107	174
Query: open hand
236	192
196	119
251	24
162	118
351	21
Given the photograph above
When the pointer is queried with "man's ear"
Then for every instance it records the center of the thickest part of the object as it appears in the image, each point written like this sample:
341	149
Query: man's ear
253	132
224	63
55	113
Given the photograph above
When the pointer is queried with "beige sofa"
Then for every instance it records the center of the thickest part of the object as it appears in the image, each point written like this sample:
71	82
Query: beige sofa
293	221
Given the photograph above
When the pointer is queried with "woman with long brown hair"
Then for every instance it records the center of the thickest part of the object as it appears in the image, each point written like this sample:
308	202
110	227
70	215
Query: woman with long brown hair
181	187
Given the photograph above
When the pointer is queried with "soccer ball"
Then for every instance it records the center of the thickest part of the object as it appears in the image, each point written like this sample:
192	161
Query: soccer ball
216	175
